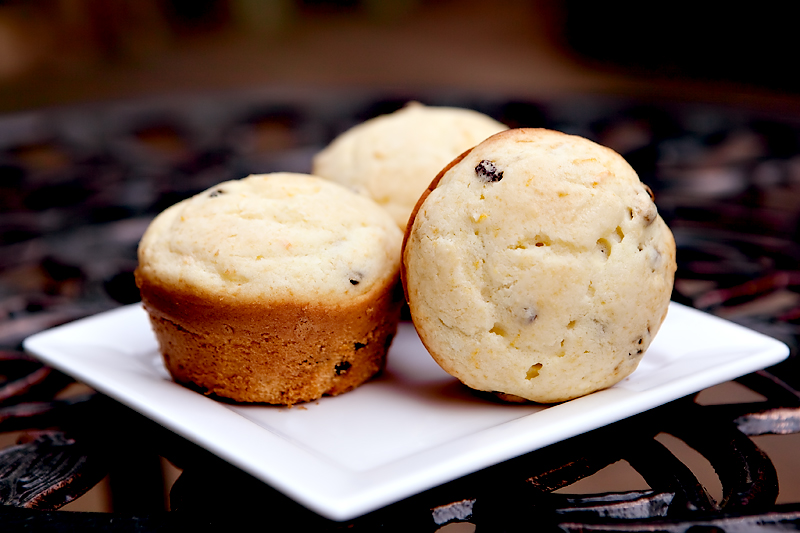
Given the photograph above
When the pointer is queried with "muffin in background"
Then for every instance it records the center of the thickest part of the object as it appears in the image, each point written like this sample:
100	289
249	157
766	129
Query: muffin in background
392	158
277	288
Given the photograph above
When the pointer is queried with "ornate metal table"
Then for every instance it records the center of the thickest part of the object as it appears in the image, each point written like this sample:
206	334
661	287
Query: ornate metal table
78	185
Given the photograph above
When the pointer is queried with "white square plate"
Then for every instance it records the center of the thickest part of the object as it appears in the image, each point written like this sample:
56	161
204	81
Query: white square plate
413	428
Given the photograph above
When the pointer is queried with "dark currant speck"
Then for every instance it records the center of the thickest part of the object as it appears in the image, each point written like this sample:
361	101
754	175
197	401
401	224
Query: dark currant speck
215	192
342	367
487	171
359	345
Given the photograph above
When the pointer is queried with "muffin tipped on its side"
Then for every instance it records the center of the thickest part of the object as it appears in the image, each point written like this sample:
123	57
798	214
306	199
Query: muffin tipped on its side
277	288
536	266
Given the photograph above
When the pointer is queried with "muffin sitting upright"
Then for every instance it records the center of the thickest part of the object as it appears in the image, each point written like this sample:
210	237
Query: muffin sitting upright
392	158
276	288
537	266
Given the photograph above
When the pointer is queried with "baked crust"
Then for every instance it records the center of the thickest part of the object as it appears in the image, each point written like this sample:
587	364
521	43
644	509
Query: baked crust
512	285
272	352
434	183
277	288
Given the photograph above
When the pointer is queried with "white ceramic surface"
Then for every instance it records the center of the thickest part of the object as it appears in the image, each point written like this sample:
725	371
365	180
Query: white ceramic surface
411	429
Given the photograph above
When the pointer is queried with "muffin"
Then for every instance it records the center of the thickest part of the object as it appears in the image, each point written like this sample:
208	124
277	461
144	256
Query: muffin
536	266
277	288
392	158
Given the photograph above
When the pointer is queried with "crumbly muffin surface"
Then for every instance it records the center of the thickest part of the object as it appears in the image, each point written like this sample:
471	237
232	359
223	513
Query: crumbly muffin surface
537	266
278	288
278	237
392	158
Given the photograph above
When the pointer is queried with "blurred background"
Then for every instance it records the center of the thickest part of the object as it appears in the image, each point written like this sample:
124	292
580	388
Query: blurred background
59	51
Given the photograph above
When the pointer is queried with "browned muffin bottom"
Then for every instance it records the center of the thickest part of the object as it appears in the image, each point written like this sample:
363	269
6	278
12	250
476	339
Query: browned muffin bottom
277	353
